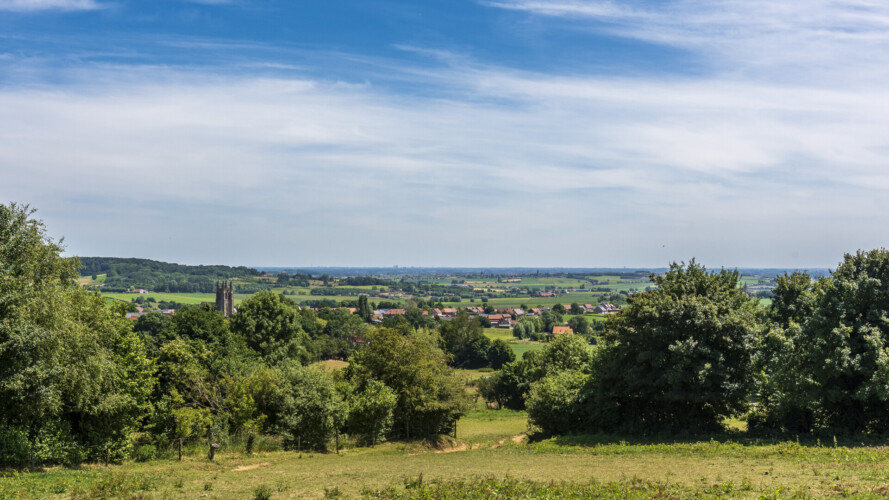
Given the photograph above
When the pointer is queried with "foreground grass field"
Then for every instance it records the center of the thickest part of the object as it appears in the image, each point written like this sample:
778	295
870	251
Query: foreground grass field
491	458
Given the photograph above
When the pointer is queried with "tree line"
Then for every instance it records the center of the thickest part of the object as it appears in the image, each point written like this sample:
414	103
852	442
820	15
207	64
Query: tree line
695	349
80	382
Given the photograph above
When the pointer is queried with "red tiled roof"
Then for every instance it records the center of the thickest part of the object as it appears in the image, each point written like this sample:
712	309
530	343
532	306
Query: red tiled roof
562	329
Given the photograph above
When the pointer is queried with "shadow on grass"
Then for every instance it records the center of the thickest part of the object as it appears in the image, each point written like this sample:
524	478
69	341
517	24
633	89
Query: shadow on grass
728	437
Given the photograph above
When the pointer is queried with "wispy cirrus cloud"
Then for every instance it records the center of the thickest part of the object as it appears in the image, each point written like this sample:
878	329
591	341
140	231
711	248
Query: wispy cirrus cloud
45	5
757	38
193	154
774	155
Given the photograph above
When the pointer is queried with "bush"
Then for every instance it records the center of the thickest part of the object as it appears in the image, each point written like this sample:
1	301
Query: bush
552	402
262	492
145	453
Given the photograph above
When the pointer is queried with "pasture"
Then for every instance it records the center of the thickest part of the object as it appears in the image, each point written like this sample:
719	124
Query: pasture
519	347
183	298
491	453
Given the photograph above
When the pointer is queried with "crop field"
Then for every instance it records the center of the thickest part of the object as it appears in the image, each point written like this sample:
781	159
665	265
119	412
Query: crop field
491	453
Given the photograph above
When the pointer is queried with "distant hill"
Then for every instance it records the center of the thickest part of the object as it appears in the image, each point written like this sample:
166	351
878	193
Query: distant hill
125	273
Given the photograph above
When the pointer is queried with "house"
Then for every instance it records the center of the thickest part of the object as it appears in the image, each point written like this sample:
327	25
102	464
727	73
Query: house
588	308
394	312
534	311
547	294
606	308
140	290
558	330
449	312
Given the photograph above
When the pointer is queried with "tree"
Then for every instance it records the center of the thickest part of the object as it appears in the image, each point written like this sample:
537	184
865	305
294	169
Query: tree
464	338
74	378
782	377
679	358
560	309
549	319
271	327
576	309
552	402
371	410
579	325
154	329
309	409
510	386
364	310
500	353
843	347
430	397
201	322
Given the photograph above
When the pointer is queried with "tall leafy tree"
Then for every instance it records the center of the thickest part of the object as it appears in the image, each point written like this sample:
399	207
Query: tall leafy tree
464	338
271	327
430	397
74	378
844	346
680	356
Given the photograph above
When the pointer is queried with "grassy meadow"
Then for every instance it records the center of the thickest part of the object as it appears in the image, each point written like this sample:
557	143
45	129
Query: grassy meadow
519	347
492	457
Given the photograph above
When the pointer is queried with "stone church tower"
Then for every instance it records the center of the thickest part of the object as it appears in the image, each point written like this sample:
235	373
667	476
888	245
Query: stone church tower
225	299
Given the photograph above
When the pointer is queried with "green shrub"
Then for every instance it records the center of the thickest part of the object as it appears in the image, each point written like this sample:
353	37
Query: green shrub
145	453
262	492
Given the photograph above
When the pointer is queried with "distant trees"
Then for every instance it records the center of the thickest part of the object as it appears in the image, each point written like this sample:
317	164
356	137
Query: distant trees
270	327
464	338
364	310
579	325
500	353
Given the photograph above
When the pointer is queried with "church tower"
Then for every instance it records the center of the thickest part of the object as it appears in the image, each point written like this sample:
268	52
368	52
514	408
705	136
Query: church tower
225	298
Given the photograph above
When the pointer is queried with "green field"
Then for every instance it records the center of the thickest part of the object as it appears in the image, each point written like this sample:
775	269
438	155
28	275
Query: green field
579	297
519	347
183	298
491	449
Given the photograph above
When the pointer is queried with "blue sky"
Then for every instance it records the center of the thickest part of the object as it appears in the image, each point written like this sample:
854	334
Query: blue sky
452	133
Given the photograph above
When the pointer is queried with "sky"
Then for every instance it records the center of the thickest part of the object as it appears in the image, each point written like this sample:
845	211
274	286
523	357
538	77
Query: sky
537	133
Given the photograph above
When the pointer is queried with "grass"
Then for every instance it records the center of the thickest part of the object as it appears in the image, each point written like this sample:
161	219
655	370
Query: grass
519	347
183	298
491	458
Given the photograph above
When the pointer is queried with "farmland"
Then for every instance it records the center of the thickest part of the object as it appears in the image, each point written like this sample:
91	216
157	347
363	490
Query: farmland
519	347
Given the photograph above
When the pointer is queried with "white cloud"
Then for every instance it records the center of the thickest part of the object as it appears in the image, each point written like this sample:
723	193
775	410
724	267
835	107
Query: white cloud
304	169
778	41
38	5
776	157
